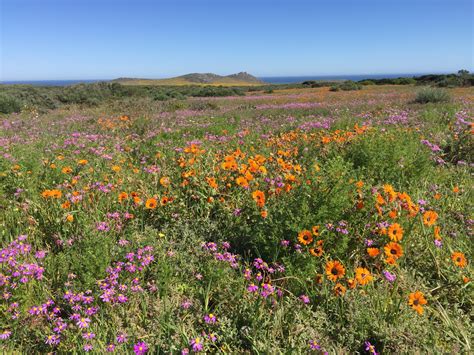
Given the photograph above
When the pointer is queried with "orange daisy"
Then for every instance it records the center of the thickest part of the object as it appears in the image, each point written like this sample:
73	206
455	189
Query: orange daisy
417	300
393	250
151	204
459	259
395	232
363	276
429	218
305	237
334	270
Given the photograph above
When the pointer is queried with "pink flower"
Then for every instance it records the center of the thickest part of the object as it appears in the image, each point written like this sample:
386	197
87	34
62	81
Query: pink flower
210	318
140	348
196	344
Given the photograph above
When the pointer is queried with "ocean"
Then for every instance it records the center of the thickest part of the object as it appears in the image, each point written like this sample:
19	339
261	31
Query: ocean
299	79
267	79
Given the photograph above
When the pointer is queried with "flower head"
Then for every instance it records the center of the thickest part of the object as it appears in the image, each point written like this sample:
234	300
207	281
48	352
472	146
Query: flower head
417	300
334	270
140	348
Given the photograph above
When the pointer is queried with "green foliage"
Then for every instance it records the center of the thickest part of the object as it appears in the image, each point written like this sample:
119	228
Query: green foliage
348	85
9	104
432	95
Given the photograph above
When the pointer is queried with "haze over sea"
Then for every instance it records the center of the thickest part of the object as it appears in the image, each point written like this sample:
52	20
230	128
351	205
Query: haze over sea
267	79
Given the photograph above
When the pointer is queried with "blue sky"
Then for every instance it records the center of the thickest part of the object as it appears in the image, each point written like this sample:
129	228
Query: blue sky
101	39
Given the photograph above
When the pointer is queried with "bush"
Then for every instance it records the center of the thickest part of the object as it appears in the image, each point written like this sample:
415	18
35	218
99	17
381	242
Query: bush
432	95
348	85
9	104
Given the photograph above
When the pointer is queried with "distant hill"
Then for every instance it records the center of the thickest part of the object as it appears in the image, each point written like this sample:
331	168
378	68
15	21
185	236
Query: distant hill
239	79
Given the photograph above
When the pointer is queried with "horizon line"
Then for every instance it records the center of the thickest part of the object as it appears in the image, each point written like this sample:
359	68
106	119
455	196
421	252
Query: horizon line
257	76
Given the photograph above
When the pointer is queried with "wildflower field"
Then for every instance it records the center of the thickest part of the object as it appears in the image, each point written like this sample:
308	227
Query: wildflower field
298	221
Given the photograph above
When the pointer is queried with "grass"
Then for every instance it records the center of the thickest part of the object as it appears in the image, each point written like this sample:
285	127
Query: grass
296	221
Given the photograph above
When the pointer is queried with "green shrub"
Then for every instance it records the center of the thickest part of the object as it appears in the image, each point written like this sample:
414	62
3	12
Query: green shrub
432	95
348	85
9	104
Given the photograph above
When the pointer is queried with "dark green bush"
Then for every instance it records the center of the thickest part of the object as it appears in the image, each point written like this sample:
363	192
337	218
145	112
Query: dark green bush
433	95
9	104
348	85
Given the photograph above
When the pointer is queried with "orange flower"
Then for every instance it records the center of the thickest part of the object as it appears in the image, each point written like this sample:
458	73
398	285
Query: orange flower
305	237
70	218
395	232
259	198
315	230
339	289
212	182
393	214
417	300
165	200
390	260
352	283
122	196
334	270
318	279
116	168
363	276
373	252
264	213
459	259
456	189
151	204
242	181
393	250
165	181
429	218
436	232
66	170
318	251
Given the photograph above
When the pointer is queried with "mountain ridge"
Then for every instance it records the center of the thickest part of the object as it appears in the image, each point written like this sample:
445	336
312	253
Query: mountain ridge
241	78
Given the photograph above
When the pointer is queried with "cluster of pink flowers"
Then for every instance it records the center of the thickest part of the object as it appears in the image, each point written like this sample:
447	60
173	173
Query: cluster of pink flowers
223	255
114	291
19	265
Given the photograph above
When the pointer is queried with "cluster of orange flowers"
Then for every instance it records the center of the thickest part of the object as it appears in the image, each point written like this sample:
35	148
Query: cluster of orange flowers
305	237
52	194
335	271
114	123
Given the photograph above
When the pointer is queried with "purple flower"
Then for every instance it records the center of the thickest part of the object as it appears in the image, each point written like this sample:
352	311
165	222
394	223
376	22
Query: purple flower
83	322
121	338
304	299
196	344
5	335
389	276
438	243
52	339
370	348
284	243
186	304
252	288
88	335
110	348
210	318
140	348
88	347
313	344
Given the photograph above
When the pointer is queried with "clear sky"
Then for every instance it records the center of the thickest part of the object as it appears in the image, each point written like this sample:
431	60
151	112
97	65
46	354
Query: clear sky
102	39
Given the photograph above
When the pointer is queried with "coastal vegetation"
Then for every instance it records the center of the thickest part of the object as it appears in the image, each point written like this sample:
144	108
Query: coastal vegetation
263	219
